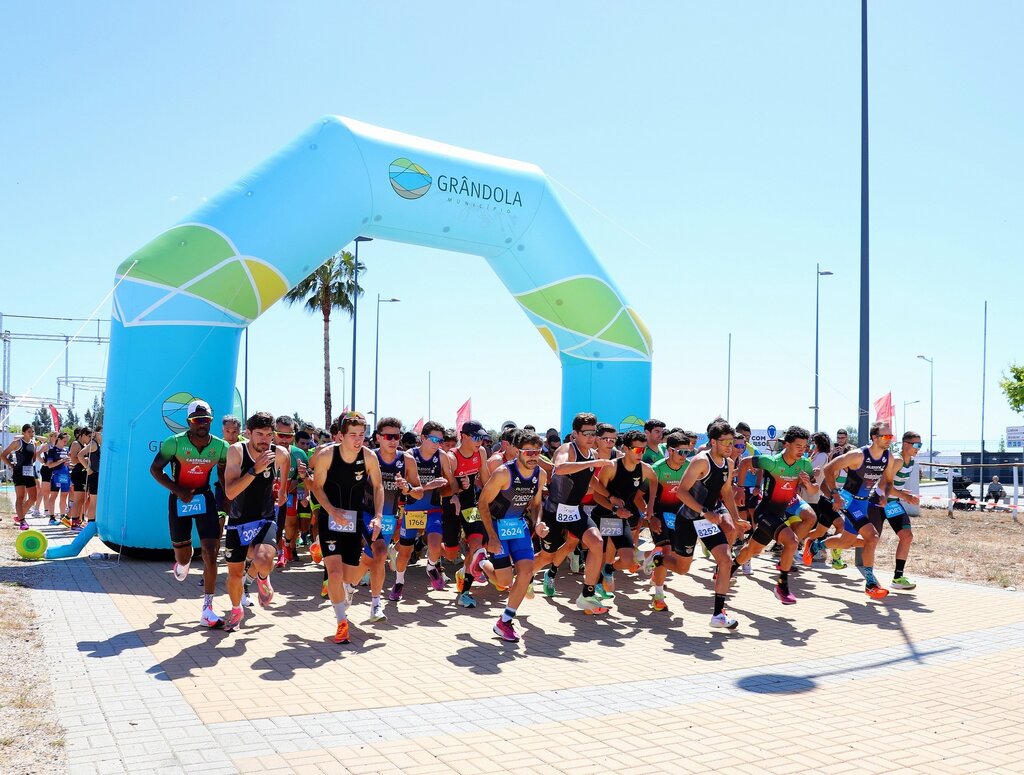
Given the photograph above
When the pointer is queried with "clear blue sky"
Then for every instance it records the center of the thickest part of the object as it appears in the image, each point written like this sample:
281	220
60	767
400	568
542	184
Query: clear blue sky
714	148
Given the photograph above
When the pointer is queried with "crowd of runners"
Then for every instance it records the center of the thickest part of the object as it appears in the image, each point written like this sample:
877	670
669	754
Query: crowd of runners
369	503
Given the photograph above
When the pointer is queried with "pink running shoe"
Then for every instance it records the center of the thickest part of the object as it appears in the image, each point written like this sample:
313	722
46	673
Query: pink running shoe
266	592
785	596
233	620
506	631
436	580
474	566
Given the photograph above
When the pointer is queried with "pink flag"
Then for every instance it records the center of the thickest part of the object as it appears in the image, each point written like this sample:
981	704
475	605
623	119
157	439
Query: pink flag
465	414
56	418
884	411
418	427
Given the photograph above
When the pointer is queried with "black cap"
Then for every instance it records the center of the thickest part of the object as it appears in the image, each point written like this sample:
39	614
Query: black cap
473	428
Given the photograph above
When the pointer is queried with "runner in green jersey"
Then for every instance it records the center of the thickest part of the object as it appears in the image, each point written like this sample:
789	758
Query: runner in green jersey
192	456
669	471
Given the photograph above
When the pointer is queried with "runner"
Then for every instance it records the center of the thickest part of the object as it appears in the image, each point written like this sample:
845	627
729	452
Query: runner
340	473
76	506
24	468
821	448
894	512
423	515
56	462
785	472
574	465
619	503
252	468
192	456
40	508
706	494
668	471
287	522
509	508
864	467
470	474
654	432
89	457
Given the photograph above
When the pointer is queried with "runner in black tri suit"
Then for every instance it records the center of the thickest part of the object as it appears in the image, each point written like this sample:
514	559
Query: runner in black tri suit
252	467
24	467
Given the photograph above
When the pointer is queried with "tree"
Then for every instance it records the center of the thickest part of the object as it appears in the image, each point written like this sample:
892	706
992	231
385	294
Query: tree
71	419
1002	444
851	435
94	416
42	422
332	286
1013	387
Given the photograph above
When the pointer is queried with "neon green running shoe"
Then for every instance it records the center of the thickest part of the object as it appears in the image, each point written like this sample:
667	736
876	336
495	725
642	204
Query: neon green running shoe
603	593
838	563
902	582
549	585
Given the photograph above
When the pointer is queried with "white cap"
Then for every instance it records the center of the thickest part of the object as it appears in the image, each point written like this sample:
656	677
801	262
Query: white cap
199	408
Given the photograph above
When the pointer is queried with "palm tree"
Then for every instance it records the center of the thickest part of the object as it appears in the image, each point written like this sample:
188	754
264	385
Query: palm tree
332	286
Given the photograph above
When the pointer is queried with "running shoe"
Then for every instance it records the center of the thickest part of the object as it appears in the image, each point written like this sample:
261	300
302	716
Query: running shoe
724	621
902	582
530	594
66	521
341	634
264	591
474	565
747	570
658	603
590	605
316	553
396	593
211	620
549	585
466	600
323	589
460	580
574	563
246	600
776	548
233	620
365	580
838	563
34	513
436	579
608	580
634	568
704	549
784	595
76	524
53	520
288	554
807	555
180	571
23	525
393	557
377	612
602	593
506	631
649	560
875	592
280	559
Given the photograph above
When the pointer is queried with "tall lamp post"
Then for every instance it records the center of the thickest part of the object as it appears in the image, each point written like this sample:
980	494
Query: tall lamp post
355	309
376	357
931	408
817	303
905	405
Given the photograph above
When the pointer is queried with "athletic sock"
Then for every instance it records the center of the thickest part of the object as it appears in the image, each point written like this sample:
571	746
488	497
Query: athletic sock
400	577
784	579
609	569
340	610
467	583
588	590
207	601
659	589
869	576
375	601
900	567
863	572
249	579
508	614
719	604
431	566
552	570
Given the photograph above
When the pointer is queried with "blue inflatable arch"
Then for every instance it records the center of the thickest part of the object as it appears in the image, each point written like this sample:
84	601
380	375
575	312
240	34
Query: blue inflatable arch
183	300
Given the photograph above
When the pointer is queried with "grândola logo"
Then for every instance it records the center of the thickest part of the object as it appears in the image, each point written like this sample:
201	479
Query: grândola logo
409	179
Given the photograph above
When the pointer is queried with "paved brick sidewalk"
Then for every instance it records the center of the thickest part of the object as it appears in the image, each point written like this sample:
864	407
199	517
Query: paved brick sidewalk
927	682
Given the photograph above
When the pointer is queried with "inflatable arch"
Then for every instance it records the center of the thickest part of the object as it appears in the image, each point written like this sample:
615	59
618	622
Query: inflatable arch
183	300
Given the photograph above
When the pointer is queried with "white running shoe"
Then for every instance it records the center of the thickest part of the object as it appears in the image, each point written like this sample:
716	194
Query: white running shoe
392	557
211	620
377	612
724	621
181	571
247	601
747	570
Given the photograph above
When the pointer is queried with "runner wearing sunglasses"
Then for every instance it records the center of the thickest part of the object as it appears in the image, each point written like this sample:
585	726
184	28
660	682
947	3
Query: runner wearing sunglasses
287	515
192	455
470	475
865	468
894	512
669	471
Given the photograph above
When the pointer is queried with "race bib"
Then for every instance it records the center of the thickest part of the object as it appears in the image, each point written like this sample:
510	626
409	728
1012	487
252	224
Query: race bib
29	472
388	523
415	520
611	526
471	514
566	513
194	508
705	529
669	520
248	531
894	509
346	523
511	527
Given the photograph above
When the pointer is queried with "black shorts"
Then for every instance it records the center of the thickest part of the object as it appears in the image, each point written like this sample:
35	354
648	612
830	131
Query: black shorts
334	543
24	481
207	524
751	498
826	514
92	483
45	473
254	532
624	541
686	536
665	536
767	525
78	479
557	529
451	525
476	527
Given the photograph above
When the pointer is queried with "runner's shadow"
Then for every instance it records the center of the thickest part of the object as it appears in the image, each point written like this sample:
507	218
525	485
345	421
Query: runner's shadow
301	654
485	657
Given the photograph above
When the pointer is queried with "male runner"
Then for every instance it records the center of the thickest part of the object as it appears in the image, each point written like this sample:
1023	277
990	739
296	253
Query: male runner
470	474
654	432
340	471
252	468
669	470
865	468
192	456
509	508
574	466
894	512
785	472
24	468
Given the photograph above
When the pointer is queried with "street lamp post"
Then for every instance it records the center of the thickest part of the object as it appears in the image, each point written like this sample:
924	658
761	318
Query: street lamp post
376	357
817	303
931	408
905	405
355	309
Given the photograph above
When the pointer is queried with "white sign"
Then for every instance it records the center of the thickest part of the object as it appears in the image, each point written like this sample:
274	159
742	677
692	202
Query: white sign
765	440
1015	436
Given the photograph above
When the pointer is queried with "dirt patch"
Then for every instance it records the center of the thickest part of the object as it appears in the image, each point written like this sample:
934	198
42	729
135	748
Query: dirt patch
31	737
980	547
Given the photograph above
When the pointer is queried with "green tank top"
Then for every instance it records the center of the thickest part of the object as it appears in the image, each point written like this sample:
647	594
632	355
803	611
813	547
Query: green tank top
192	467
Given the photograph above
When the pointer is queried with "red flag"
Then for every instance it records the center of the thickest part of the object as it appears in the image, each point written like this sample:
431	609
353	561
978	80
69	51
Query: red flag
884	411
418	427
465	414
56	418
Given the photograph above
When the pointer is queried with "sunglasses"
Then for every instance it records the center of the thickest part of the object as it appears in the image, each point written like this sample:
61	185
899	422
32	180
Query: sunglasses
284	435
200	420
678	450
480	436
530	452
590	434
888	436
435	439
914	444
638	449
725	441
606	438
352	416
390	436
